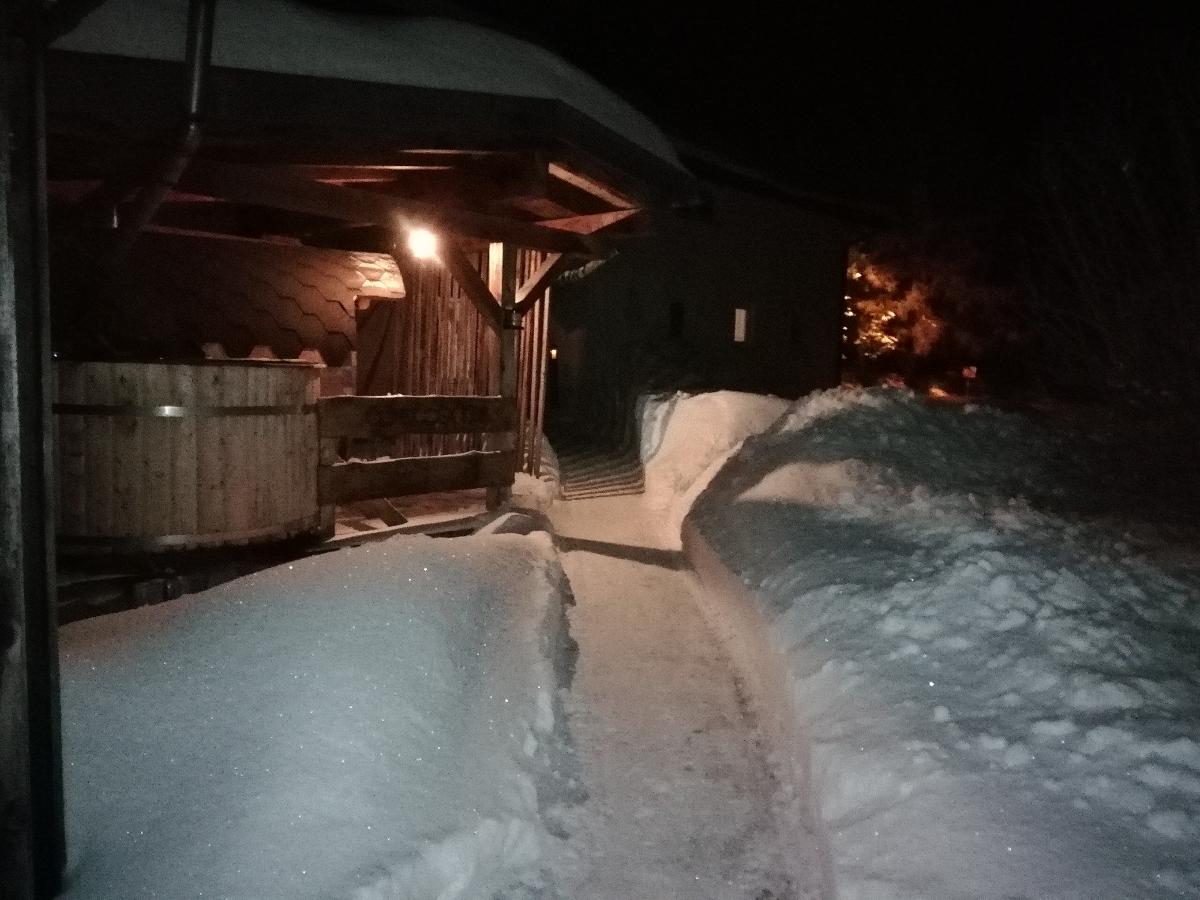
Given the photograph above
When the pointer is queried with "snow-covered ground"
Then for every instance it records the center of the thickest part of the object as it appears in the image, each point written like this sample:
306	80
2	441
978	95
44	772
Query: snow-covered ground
375	722
987	695
949	679
686	438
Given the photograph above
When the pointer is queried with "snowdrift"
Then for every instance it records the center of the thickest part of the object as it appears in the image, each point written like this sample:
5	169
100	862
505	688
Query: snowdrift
686	438
987	696
377	722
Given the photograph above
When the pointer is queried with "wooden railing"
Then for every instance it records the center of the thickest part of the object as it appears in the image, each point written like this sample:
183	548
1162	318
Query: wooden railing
380	419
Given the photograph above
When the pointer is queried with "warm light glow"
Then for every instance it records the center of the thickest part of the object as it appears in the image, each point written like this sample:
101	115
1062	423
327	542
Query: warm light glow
422	243
554	353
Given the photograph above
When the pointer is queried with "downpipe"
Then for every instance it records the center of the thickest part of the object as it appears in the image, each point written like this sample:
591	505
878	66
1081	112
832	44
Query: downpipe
201	15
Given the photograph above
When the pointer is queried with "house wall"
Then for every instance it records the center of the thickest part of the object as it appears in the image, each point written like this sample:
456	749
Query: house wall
785	265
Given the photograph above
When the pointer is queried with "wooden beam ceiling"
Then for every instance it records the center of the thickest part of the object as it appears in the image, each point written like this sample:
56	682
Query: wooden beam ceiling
531	291
590	224
472	283
268	186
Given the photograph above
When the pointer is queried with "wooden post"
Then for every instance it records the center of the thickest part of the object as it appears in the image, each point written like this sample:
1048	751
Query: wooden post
540	406
32	843
327	455
502	282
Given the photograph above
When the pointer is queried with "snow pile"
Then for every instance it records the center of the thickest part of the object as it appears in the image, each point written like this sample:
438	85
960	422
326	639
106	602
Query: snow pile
376	722
534	493
686	438
298	38
997	699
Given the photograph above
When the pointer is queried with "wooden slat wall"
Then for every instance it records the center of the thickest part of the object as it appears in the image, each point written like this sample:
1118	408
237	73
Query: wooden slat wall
532	361
440	346
434	342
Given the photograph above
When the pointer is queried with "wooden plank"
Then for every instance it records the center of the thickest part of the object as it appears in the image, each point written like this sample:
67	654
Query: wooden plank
533	288
471	283
381	418
590	185
502	282
540	408
347	482
281	189
589	224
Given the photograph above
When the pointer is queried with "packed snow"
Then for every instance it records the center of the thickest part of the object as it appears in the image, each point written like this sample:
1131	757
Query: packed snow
375	722
681	800
924	669
686	438
985	694
296	38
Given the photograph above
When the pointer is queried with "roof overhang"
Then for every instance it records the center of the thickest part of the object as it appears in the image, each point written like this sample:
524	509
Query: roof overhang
343	162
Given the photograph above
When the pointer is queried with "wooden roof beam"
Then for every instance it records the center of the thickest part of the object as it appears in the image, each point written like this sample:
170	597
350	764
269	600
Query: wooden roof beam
531	291
270	186
590	224
468	278
590	185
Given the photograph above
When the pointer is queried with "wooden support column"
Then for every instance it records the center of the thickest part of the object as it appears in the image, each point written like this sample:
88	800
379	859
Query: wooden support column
502	283
32	842
543	344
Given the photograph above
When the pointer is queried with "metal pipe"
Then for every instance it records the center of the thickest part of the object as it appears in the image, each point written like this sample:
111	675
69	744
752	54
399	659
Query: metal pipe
201	15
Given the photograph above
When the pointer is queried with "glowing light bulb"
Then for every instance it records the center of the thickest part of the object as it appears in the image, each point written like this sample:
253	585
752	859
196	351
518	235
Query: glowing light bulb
422	243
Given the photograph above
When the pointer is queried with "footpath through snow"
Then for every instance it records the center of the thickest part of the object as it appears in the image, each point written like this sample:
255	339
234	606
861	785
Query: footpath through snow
680	800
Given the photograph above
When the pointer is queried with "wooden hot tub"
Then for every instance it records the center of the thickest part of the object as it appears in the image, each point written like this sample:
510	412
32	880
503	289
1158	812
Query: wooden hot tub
164	456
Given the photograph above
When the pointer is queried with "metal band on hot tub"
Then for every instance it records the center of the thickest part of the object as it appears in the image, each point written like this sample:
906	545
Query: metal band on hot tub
180	412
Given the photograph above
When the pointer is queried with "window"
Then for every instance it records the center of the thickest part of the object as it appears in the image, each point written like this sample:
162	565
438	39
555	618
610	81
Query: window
741	325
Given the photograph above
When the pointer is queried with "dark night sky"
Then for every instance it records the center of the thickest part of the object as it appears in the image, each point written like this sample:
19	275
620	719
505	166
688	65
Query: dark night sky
880	102
858	102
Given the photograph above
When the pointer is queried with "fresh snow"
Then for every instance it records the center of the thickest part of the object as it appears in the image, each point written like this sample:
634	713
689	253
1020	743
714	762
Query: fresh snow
914	664
686	438
375	722
985	695
298	38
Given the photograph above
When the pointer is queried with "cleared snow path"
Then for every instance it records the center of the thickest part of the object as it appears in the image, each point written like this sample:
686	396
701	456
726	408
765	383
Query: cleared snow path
681	802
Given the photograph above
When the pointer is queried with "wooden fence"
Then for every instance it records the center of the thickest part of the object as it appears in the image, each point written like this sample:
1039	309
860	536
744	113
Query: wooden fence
342	421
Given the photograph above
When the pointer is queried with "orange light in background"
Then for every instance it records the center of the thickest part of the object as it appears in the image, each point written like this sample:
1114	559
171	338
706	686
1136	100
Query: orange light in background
554	353
422	243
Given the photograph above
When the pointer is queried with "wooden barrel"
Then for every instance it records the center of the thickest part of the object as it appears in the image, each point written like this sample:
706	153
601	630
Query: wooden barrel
159	456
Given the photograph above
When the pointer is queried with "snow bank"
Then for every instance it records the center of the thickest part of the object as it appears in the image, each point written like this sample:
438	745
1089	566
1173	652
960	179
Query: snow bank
997	699
376	722
686	438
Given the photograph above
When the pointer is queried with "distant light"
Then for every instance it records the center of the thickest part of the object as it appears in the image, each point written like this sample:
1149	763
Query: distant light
422	243
554	353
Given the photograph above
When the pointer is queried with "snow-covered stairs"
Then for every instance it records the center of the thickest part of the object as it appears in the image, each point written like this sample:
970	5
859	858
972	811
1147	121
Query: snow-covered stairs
588	473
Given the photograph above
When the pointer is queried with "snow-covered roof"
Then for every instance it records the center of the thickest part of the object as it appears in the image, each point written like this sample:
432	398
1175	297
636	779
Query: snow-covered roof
293	38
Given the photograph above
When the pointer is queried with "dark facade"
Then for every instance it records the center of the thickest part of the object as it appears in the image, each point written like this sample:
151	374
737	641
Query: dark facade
662	314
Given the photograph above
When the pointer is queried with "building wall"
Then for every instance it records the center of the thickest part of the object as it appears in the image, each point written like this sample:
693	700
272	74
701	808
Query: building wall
660	314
